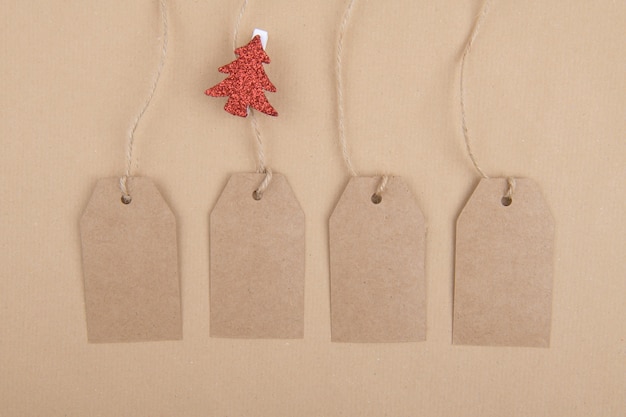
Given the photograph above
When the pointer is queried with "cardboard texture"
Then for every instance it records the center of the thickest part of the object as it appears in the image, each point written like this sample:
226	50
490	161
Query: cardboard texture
257	261
545	99
378	290
504	267
130	264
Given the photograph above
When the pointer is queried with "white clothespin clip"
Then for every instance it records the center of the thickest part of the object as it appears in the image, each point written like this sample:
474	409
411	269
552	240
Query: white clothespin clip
262	34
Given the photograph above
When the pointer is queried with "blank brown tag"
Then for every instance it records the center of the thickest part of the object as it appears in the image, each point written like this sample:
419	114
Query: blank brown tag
377	264
504	264
257	261
130	264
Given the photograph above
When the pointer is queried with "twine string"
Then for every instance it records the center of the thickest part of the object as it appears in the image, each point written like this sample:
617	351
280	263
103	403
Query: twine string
508	195
510	189
345	152
466	51
238	22
130	140
339	86
260	153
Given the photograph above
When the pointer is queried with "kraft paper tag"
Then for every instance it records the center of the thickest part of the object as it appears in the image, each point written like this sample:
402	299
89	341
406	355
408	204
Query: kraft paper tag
130	264
377	264
257	261
504	267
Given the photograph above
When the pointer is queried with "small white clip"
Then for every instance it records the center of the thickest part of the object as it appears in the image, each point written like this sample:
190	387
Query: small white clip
262	34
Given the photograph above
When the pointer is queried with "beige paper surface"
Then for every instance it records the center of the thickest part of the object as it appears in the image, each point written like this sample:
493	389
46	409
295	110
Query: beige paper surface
377	285
257	261
504	267
130	264
545	99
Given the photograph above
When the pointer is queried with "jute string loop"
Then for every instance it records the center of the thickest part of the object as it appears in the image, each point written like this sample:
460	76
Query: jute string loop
508	195
468	47
261	167
377	197
340	100
126	197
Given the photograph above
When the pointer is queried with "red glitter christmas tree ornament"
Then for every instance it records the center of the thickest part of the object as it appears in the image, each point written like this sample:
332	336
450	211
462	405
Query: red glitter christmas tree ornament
247	82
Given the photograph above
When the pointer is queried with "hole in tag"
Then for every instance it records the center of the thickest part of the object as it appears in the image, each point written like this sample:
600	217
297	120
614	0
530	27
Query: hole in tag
257	195
506	201
126	199
377	198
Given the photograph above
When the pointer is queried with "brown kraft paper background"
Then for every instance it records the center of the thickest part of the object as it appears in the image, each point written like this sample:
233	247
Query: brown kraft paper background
545	100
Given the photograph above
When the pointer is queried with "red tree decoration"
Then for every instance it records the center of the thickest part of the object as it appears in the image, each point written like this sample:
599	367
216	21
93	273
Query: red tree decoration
247	81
